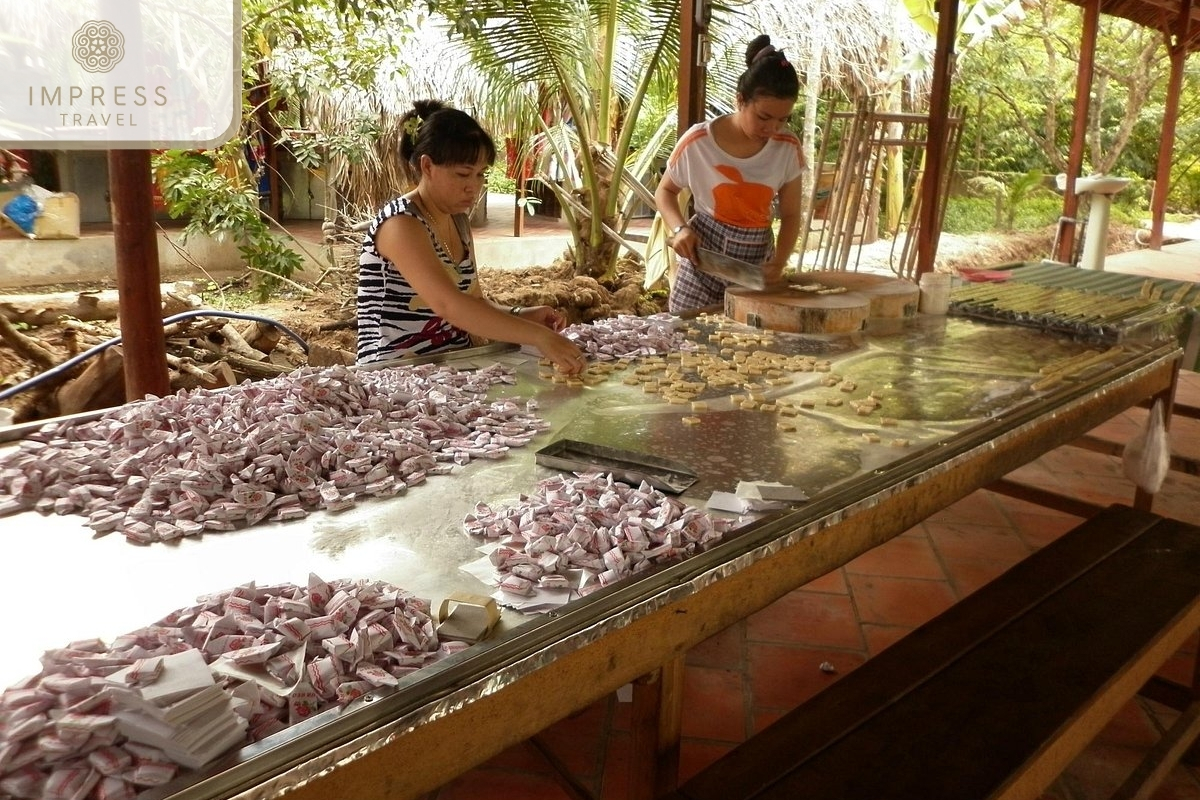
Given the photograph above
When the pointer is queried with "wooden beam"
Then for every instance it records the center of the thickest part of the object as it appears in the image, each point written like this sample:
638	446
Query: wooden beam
1064	250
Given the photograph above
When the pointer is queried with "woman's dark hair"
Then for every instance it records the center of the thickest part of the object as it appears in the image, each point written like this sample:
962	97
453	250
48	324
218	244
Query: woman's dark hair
448	136
768	72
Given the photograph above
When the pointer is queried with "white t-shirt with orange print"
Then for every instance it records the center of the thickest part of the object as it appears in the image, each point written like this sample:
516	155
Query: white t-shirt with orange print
734	191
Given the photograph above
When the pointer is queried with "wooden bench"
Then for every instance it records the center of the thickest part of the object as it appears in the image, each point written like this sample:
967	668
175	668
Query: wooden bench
995	697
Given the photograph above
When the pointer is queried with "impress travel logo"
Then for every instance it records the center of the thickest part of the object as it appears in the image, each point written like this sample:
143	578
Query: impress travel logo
113	74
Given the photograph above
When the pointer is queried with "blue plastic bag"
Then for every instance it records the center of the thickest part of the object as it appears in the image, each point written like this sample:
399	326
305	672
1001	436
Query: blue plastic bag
21	211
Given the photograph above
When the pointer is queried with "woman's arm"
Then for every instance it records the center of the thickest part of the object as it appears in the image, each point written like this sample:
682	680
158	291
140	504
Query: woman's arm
402	240
684	240
789	230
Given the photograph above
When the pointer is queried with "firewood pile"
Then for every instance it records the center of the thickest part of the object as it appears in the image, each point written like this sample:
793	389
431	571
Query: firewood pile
44	332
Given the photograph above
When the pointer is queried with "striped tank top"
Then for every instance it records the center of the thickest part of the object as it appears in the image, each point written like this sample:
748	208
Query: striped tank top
393	320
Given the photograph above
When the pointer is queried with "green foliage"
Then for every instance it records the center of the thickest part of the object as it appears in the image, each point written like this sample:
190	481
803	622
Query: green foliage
969	215
314	149
978	214
500	183
218	200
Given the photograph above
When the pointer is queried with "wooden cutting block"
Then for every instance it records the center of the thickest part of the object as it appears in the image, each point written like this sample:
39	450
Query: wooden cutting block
797	312
891	298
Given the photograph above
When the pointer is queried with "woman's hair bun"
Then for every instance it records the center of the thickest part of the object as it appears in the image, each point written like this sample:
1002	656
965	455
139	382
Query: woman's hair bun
756	47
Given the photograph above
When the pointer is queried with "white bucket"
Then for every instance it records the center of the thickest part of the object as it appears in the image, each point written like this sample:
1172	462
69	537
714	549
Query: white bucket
935	293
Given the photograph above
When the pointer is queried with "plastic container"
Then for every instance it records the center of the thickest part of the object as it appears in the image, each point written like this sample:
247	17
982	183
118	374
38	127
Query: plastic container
59	218
935	293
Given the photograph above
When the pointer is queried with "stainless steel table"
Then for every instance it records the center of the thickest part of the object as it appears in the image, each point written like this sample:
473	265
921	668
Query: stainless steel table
958	389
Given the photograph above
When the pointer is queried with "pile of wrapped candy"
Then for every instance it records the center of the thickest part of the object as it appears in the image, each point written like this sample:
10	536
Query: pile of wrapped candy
207	461
282	653
628	336
588	531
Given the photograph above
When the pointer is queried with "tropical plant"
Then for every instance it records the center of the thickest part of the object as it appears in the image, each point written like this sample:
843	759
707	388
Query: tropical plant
292	50
1008	195
582	71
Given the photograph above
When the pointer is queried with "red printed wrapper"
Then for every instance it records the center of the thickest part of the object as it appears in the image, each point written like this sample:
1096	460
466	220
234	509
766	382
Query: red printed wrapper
257	654
151	773
110	760
144	671
24	782
302	704
72	783
352	690
323	675
111	788
376	676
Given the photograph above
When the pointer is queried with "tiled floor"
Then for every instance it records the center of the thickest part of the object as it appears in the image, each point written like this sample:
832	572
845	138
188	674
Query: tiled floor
748	675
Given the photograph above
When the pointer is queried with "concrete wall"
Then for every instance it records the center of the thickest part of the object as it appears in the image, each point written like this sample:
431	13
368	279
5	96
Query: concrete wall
40	262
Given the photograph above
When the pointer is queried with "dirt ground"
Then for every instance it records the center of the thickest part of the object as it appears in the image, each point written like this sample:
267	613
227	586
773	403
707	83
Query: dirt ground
324	315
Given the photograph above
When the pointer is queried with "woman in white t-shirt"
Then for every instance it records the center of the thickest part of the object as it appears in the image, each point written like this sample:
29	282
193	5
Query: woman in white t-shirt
737	167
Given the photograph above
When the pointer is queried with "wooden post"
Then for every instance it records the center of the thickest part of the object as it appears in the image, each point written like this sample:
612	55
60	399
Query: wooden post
1065	238
656	729
140	304
693	58
935	146
1177	47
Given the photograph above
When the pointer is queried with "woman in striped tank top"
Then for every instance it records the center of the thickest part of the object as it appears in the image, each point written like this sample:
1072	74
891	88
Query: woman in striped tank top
417	287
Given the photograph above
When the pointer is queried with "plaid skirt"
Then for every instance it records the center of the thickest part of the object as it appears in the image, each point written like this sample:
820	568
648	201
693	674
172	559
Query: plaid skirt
694	289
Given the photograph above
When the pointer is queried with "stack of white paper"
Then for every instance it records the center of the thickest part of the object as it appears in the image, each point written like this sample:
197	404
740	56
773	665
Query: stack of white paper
182	712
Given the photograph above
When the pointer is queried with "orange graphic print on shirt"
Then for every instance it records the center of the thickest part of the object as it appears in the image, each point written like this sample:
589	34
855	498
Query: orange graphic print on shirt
746	205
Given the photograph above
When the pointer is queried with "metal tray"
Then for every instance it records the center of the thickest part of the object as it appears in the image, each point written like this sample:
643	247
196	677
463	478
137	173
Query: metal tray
626	465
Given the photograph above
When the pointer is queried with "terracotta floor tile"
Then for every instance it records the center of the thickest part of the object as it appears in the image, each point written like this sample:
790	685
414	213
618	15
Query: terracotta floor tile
784	677
724	650
975	507
830	583
519	757
899	601
958	541
902	557
576	740
615	782
881	637
695	756
1035	525
763	718
714	705
1179	668
1099	770
968	575
1131	727
807	618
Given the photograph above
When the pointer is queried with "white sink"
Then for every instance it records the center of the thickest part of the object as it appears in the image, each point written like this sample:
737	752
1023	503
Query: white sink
1096	184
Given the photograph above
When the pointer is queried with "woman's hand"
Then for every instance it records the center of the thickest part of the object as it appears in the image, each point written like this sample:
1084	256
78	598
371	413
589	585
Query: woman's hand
685	243
773	273
545	315
562	351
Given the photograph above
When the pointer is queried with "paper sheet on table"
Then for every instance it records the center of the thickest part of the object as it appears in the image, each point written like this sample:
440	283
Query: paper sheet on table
223	666
755	496
770	490
482	570
541	600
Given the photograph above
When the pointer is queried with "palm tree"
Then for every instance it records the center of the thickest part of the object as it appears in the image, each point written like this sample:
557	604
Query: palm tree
582	70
